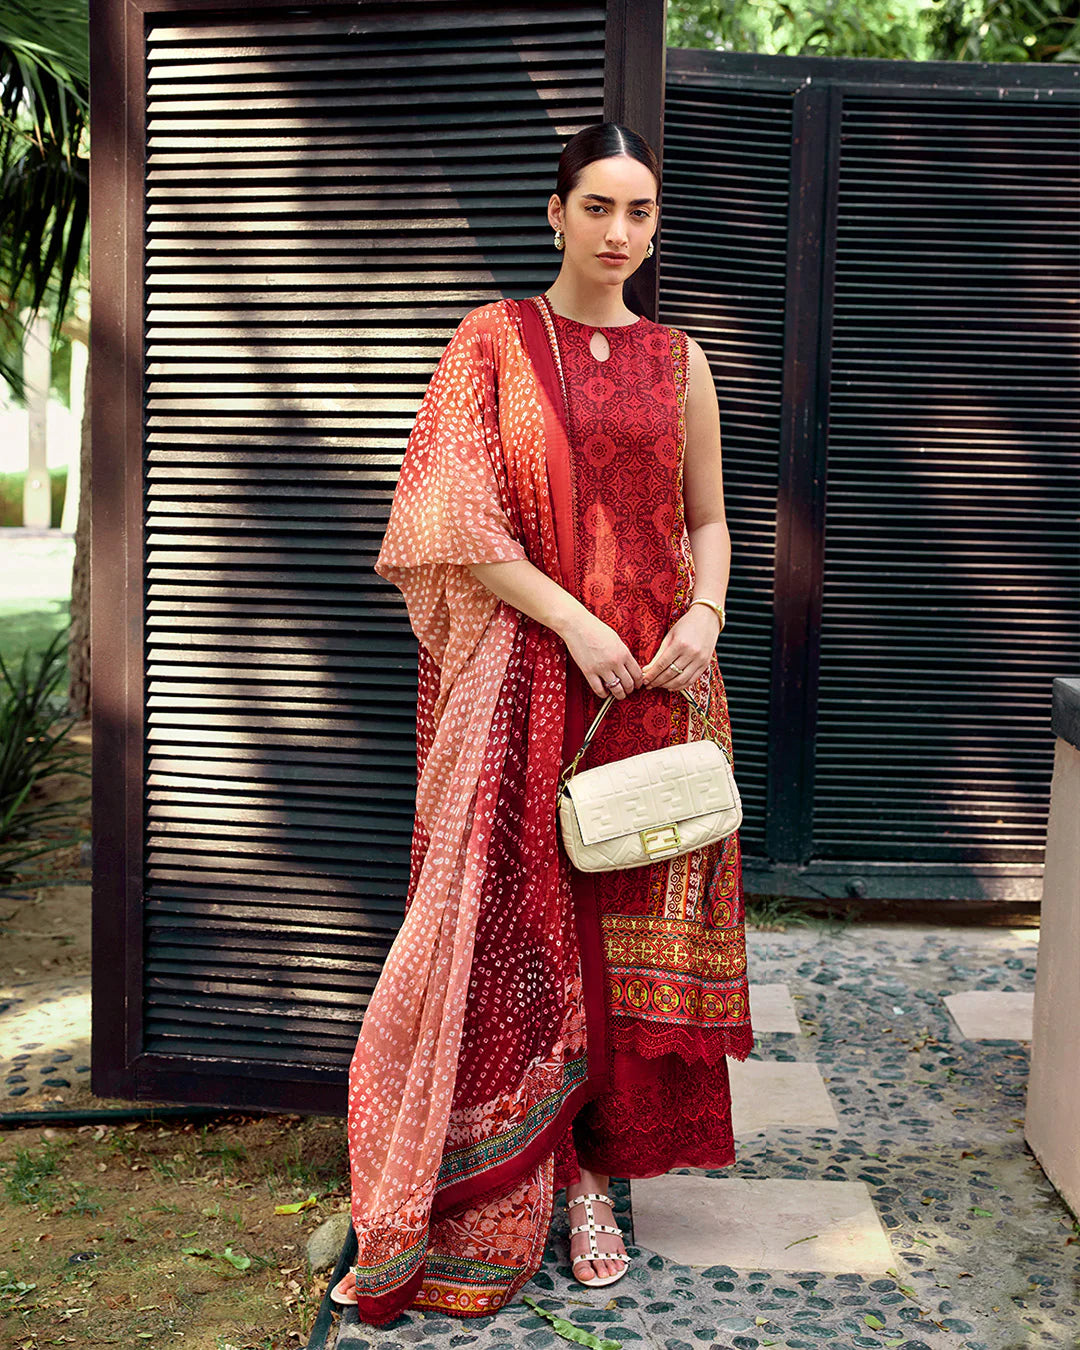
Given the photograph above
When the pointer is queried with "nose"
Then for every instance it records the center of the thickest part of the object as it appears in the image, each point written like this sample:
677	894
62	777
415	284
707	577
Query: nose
618	236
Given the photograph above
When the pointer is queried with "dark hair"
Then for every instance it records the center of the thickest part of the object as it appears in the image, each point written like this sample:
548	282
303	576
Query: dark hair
600	141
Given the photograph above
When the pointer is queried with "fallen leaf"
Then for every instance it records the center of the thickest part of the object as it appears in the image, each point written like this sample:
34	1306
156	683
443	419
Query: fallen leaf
297	1207
568	1331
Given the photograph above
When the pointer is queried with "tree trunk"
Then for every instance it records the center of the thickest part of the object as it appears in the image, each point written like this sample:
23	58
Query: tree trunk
79	636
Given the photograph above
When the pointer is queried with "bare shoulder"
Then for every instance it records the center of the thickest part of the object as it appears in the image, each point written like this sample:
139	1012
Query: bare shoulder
701	377
698	359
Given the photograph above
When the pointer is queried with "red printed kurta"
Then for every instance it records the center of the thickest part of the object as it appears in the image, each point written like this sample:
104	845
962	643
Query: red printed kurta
673	931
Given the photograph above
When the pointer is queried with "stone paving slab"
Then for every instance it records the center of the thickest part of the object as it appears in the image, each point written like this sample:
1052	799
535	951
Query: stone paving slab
764	1094
775	1223
992	1014
773	1008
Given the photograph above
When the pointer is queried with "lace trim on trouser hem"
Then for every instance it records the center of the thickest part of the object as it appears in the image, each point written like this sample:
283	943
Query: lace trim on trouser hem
661	1113
650	1039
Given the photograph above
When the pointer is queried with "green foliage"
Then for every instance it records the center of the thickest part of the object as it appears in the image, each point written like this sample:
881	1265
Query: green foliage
1022	30
44	165
909	30
32	746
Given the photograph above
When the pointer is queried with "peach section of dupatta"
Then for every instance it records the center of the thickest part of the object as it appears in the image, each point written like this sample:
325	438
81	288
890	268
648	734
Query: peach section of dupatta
472	489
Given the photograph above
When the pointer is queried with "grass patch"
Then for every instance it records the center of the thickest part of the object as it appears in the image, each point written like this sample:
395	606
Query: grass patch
777	913
127	1200
31	1178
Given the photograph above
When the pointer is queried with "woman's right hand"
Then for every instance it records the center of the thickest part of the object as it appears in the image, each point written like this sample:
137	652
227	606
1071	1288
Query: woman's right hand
601	655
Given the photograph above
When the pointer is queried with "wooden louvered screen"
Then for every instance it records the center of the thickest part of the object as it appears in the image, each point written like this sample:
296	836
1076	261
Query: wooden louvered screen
723	275
896	365
952	545
327	193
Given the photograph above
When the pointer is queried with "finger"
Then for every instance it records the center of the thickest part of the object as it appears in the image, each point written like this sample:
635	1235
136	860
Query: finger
596	684
672	678
688	677
652	669
617	689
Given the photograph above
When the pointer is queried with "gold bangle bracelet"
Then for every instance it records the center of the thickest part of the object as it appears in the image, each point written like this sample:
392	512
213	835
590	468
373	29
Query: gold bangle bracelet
713	605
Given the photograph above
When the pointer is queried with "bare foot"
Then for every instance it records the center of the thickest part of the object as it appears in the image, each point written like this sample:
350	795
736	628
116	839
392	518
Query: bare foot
593	1183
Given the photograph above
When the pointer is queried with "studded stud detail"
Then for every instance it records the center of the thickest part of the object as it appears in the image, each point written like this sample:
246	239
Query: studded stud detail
591	1227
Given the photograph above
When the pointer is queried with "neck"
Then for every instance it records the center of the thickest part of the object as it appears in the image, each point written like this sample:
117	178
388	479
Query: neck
589	303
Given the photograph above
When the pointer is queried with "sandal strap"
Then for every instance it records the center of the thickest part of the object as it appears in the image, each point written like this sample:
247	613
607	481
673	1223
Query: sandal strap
594	1228
592	1195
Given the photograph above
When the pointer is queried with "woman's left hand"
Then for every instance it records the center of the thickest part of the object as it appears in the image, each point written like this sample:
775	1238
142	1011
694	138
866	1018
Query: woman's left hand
690	644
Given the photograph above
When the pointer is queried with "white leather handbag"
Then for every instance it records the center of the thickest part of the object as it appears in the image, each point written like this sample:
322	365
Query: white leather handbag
647	807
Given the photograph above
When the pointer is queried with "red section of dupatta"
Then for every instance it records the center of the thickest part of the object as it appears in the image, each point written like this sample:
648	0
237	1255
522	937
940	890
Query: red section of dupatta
471	1060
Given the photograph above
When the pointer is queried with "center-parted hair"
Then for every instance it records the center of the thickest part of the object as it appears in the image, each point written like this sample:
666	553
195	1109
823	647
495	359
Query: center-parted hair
600	141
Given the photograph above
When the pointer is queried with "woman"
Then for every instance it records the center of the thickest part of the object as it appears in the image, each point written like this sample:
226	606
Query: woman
558	517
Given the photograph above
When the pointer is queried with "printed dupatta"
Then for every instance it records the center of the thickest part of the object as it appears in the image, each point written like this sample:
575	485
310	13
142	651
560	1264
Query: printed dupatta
486	1031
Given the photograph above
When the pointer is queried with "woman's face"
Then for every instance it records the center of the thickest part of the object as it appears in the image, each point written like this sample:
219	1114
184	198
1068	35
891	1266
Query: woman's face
612	209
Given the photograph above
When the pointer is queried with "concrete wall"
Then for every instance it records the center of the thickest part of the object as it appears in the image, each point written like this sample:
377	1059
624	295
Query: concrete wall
1052	1119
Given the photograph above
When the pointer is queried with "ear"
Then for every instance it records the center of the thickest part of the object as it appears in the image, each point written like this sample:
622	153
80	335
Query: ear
554	212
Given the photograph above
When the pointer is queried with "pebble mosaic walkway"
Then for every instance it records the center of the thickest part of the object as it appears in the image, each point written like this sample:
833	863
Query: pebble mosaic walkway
883	1194
955	1239
44	1037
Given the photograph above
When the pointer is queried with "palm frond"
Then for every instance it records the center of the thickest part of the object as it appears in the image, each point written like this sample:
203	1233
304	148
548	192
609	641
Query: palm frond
44	165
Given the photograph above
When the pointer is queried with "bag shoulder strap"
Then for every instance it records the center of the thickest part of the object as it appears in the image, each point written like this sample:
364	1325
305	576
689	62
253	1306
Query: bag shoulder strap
571	768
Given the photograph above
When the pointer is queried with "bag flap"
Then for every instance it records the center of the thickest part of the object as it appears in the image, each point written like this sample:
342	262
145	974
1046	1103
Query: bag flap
676	782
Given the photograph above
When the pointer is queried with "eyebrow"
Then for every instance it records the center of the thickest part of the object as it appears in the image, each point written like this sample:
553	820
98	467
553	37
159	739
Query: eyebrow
610	201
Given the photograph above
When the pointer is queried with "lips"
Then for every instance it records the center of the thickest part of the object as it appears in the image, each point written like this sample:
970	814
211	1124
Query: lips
617	257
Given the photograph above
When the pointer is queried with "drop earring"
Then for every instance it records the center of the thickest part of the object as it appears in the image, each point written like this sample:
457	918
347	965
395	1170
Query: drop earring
649	250
560	240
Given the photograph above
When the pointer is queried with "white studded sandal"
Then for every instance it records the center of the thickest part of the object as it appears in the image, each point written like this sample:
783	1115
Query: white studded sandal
592	1228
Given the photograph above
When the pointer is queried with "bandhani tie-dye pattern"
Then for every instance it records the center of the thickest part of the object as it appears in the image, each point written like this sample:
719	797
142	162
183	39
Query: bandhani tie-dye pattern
488	1029
471	1056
